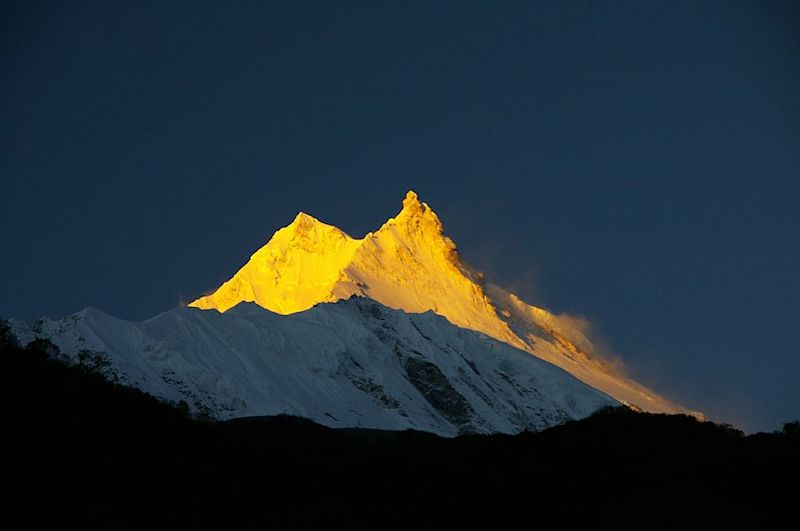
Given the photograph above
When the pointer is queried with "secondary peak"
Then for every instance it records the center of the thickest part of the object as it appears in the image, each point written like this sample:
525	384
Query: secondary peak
303	220
302	216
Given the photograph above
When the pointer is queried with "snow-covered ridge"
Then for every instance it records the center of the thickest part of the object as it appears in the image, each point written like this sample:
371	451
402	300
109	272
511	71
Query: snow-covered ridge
409	264
354	363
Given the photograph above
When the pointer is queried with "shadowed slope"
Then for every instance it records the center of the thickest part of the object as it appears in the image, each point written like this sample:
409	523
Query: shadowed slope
354	363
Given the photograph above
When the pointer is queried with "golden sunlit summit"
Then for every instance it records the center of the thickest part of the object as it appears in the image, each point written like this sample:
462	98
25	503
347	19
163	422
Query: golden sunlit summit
409	264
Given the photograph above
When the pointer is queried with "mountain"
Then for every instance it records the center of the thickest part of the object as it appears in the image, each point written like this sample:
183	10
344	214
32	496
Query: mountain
392	331
409	264
354	363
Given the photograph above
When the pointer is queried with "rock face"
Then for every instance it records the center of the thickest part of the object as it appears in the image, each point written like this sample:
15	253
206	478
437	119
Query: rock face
409	264
354	363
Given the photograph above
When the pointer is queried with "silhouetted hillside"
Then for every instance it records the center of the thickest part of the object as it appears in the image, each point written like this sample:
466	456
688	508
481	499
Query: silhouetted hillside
86	453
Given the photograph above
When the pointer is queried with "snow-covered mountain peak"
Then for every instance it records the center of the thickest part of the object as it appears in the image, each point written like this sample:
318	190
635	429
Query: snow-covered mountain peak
303	221
412	206
414	237
409	264
411	202
417	217
296	269
305	226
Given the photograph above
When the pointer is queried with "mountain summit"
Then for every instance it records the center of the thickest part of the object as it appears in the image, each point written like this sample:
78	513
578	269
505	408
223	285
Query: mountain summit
409	264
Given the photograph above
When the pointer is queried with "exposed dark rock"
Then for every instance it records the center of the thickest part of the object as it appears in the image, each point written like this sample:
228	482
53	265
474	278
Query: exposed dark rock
437	390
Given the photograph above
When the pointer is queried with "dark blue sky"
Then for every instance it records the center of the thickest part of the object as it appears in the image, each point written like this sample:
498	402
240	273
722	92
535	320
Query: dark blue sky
635	163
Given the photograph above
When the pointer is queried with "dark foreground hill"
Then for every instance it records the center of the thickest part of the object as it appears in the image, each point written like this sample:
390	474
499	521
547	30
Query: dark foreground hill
85	453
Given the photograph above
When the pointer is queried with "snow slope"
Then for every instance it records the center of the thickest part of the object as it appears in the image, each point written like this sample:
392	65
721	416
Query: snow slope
409	264
354	363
